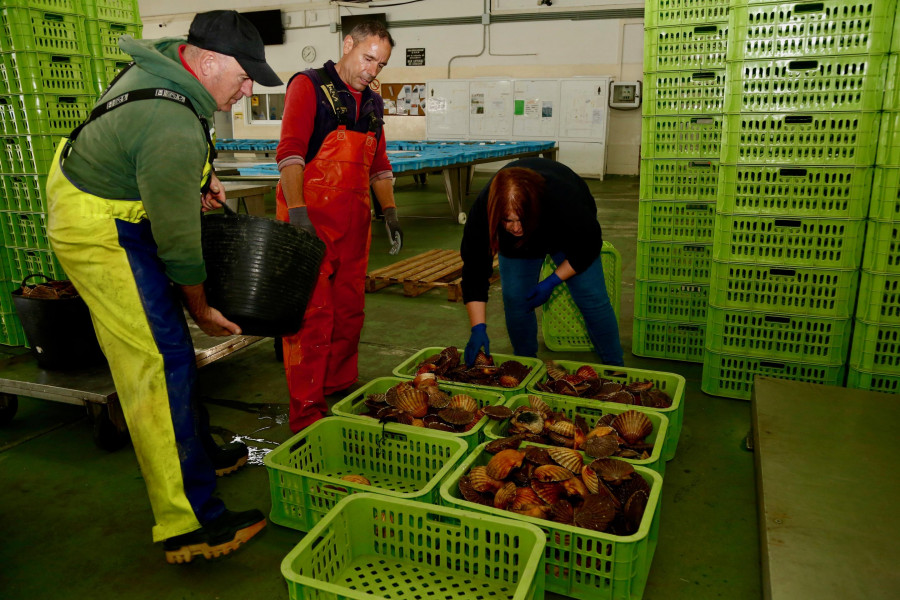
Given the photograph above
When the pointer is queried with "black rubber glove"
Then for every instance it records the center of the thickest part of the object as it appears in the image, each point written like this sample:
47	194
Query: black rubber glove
395	234
299	218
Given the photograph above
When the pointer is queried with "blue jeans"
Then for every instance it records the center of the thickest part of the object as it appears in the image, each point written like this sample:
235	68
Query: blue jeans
588	288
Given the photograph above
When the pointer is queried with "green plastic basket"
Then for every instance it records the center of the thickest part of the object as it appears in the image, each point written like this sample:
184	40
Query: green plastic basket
24	230
668	339
374	548
771	336
21	262
60	6
353	406
562	324
11	332
882	253
885	204
36	30
875	348
23	193
403	463
683	180
685	12
27	154
667	301
674	261
832	192
818	139
671	383
591	411
684	92
879	298
407	370
800	29
814	83
889	140
688	137
698	46
579	562
892	81
107	70
732	376
118	11
678	221
47	114
783	240
39	73
784	290
103	38
875	382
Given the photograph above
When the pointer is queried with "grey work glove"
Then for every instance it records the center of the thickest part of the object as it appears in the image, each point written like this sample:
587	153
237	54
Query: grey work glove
395	234
299	218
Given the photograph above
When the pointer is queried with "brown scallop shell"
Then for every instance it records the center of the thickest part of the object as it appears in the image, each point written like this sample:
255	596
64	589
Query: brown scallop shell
601	446
380	398
503	462
621	397
581	424
537	456
353	478
656	398
567	458
470	493
551	473
611	387
595	513
591	479
423	380
537	512
575	487
505	495
639	386
548	491
464	401
612	471
561	440
476	416
482	359
554	371
562	512
373	403
633	426
563	428
440	426
605	420
508	381
497	413
587	372
412	402
508	443
437	398
526	422
634	509
456	416
538	404
561	386
525	498
624	491
483	482
514	368
392	392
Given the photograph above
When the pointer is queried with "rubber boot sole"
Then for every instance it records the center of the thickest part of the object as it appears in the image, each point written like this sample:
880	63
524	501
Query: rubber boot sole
186	554
226	470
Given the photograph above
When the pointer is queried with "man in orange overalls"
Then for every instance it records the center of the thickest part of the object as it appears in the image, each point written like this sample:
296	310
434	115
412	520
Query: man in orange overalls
332	149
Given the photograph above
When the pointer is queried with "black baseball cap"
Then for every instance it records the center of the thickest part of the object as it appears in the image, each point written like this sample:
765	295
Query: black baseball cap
227	32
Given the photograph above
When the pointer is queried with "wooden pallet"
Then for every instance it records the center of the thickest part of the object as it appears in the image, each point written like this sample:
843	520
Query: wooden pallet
435	268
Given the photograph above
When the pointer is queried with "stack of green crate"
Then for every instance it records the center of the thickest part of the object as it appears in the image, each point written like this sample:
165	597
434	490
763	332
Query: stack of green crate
685	49
803	110
874	362
107	21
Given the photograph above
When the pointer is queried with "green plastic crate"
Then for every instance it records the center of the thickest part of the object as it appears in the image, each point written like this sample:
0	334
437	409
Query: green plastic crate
27	154
562	324
784	290
818	139
889	140
47	114
796	242
374	548
40	73
668	339
826	83
875	382
103	38
684	92
662	13
895	37
11	332
24	230
403	463
118	11
668	301
732	376
75	7
674	261
882	253
407	370
591	411
833	192
700	46
879	298
105	70
682	137
892	80
663	221
6	289
671	383
772	336
685	180
885	204
21	262
23	193
802	29
353	406
875	348
579	562
36	30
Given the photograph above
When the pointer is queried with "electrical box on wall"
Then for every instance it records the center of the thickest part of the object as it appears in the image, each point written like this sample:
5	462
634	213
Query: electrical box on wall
625	94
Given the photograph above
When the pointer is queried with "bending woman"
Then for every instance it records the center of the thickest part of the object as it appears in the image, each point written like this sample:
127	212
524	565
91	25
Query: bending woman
531	208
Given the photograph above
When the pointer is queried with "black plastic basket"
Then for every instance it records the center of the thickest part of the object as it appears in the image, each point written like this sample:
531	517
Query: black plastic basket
260	273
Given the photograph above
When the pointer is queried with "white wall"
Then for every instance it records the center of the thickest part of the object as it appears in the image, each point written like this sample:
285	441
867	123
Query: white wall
547	48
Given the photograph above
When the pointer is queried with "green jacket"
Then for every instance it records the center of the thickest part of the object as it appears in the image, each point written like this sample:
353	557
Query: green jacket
153	151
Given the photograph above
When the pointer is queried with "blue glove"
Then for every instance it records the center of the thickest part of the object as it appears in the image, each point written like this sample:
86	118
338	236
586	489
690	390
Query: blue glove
541	292
478	339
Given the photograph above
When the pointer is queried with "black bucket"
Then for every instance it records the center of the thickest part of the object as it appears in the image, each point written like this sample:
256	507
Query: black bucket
260	273
59	330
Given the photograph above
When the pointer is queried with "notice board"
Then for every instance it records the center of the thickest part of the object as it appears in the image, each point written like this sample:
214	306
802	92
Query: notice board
403	99
447	109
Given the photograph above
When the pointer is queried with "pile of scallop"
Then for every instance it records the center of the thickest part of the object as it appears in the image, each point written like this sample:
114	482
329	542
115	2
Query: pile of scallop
555	484
448	366
586	383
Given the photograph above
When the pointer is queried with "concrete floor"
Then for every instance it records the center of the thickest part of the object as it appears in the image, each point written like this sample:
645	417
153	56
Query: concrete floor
75	520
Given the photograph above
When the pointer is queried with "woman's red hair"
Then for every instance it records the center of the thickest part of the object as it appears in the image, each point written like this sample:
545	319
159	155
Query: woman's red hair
518	191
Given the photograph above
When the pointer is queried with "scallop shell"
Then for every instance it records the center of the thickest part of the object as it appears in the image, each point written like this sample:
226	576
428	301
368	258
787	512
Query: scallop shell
624	491
561	440
591	479
423	380
639	386
352	478
470	493
564	457
587	372
634	509
503	462
621	397
601	446
562	512
538	404
526	497
605	420
440	426
561	386
497	412
476	416
456	416
563	428
602	430
508	381
464	401
377	398
412	402
656	399
522	475
392	392
581	424
437	398
482	482
526	421
613	471
508	443
548	491
374	404
633	426
611	387
515	369
537	456
575	487
537	512
595	513
482	359
505	495
554	371
551	473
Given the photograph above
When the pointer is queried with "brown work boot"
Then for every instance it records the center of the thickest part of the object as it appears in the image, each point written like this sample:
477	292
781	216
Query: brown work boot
228	458
219	537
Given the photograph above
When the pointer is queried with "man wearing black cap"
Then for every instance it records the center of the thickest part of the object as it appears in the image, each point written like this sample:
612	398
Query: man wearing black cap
125	195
